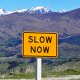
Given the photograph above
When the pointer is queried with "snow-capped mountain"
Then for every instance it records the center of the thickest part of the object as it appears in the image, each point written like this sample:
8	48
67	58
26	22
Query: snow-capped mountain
36	10
39	10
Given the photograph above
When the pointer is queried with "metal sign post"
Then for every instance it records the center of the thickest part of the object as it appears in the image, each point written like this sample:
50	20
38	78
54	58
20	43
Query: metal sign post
39	68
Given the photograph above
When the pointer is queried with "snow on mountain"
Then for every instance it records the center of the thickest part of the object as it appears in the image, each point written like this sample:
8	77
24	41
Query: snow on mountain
39	10
62	11
2	11
19	11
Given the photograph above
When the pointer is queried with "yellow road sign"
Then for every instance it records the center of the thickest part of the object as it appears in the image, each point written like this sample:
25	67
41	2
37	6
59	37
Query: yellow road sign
40	44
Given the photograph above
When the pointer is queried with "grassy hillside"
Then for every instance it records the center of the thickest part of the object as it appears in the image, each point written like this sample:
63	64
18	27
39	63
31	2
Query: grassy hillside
25	68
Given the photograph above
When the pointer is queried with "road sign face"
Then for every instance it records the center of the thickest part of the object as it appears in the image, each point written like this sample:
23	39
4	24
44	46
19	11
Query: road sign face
40	44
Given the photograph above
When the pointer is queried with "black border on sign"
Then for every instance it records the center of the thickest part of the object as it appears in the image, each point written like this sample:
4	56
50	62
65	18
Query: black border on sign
40	56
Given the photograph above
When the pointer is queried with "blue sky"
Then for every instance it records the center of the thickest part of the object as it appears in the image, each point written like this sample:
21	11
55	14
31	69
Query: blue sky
54	5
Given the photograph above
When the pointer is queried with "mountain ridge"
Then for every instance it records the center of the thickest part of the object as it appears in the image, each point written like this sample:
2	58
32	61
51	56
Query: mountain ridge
36	10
